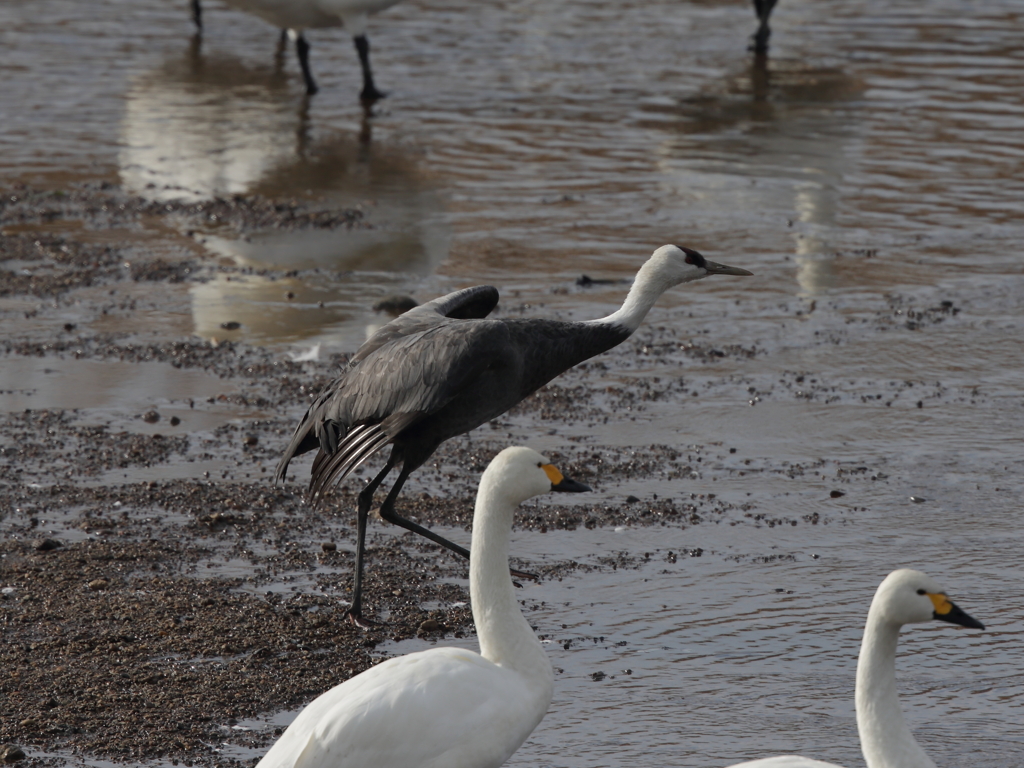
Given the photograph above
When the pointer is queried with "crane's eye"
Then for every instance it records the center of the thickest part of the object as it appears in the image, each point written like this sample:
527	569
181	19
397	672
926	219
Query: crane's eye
694	258
921	592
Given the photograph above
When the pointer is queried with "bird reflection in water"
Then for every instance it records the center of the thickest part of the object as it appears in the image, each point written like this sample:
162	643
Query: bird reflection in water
202	127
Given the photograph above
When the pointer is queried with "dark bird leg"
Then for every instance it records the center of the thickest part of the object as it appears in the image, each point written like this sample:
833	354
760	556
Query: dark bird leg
302	49
282	43
369	92
197	15
387	512
355	612
763	8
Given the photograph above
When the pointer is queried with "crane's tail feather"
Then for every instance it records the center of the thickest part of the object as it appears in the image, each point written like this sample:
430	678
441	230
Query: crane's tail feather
360	444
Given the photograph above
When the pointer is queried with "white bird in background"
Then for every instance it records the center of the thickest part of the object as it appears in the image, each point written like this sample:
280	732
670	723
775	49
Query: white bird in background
296	16
446	707
904	597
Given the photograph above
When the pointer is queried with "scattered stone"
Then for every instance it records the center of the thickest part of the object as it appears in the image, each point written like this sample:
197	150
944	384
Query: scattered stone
329	546
836	494
395	305
175	421
918	499
11	753
151	417
98	584
430	625
598	676
231	325
45	545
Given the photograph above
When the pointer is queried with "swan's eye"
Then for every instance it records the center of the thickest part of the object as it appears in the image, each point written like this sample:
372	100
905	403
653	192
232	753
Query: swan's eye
540	464
921	592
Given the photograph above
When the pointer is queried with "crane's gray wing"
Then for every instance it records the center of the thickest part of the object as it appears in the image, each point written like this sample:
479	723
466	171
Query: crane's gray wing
411	378
469	303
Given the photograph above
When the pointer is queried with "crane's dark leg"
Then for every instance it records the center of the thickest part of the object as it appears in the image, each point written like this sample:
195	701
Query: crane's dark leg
282	44
197	15
355	611
302	49
387	512
763	8
369	92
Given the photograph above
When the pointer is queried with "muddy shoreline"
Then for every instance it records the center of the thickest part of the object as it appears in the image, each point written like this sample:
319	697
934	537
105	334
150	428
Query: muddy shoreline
118	642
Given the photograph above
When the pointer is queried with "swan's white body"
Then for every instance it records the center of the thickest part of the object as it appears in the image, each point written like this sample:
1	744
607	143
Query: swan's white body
445	707
904	597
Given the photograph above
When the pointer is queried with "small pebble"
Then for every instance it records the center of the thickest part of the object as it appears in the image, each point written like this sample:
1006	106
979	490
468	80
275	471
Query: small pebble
917	499
596	676
45	545
97	584
251	440
632	499
836	494
329	546
231	325
430	625
175	421
151	417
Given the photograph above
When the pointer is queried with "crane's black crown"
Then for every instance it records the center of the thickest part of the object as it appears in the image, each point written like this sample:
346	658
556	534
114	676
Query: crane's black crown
692	257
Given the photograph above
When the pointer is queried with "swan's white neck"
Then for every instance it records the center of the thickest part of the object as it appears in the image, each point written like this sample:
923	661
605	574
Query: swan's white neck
505	636
885	738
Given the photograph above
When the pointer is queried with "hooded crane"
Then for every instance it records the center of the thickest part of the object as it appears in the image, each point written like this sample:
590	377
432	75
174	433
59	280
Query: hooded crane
293	17
444	368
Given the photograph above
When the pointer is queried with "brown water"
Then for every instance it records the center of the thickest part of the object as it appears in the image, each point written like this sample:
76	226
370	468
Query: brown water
874	168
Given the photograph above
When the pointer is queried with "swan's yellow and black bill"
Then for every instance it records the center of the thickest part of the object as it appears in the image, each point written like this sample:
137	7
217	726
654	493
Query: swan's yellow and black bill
560	482
714	268
946	610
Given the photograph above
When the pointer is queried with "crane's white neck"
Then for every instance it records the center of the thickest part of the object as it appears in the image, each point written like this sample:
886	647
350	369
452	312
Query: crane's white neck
885	738
654	278
506	638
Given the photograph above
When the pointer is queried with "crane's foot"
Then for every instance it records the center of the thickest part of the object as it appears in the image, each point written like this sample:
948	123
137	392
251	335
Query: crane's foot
370	94
355	616
759	41
524	575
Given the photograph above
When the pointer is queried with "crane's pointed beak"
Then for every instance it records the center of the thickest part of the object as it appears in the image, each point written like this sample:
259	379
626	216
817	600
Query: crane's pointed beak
714	268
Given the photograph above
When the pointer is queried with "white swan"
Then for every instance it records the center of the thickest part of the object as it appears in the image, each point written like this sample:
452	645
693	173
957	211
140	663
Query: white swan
904	597
446	707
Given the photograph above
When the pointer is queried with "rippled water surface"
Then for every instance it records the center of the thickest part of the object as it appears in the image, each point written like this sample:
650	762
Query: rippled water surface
870	171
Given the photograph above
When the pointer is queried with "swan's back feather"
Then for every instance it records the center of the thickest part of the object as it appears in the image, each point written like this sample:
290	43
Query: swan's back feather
354	724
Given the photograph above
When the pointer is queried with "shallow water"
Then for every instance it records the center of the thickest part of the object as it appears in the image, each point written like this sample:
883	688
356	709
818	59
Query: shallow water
872	169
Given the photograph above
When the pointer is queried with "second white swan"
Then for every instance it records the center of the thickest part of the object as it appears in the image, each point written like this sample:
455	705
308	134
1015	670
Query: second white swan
904	597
